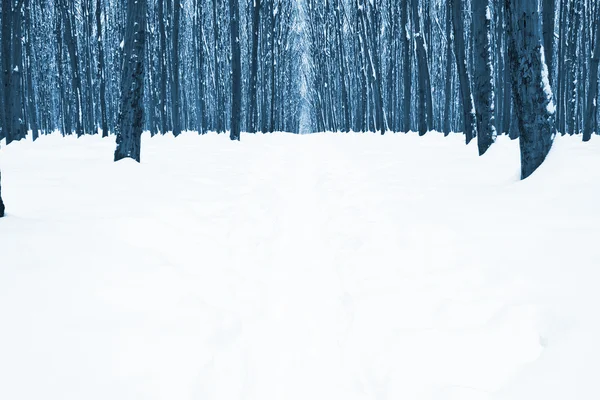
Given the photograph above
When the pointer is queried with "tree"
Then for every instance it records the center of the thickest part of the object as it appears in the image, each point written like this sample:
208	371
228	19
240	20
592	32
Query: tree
532	94
236	70
101	73
548	24
131	115
175	96
463	72
252	101
425	103
592	102
483	79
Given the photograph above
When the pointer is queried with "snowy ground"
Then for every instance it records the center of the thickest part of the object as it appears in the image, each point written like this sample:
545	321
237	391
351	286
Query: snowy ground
289	267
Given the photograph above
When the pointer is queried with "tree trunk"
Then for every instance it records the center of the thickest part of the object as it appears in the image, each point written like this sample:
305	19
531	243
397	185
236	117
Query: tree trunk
406	72
592	102
101	75
483	76
463	72
424	95
448	90
175	96
534	106
162	39
236	70
70	40
548	25
252	101
131	115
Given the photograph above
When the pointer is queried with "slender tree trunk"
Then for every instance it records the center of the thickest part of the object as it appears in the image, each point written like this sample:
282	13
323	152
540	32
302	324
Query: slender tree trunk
252	101
131	115
534	106
448	90
217	74
548	26
101	74
236	70
463	72
407	62
592	102
483	76
6	69
175	89
162	62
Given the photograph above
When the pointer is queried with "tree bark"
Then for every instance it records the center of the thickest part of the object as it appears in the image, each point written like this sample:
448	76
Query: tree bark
592	102
463	73
534	105
101	74
483	79
425	109
252	101
131	115
236	70
175	95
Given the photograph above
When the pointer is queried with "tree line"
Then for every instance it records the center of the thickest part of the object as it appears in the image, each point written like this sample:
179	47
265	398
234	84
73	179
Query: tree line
526	68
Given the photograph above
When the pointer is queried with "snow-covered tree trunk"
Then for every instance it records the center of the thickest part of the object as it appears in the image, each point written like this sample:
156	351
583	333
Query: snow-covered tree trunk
592	102
483	75
463	72
131	115
532	94
236	70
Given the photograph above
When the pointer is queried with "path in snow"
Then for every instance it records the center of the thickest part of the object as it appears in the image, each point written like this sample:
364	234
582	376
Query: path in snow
294	267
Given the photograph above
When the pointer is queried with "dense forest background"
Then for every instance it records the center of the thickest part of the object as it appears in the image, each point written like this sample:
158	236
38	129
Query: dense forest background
306	66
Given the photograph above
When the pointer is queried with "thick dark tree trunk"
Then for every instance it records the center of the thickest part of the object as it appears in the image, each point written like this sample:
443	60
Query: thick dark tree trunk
71	42
463	72
483	75
534	105
592	102
131	115
425	109
236	70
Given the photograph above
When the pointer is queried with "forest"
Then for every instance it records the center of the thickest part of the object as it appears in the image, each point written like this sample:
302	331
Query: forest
523	68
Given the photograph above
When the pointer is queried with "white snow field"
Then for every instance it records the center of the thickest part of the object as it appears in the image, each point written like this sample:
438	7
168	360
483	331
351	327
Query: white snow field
283	267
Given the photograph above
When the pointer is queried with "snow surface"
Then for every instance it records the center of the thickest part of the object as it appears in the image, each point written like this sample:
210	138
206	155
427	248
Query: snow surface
329	266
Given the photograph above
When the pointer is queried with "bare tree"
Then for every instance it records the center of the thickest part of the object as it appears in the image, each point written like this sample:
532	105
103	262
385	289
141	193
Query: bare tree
534	105
131	115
